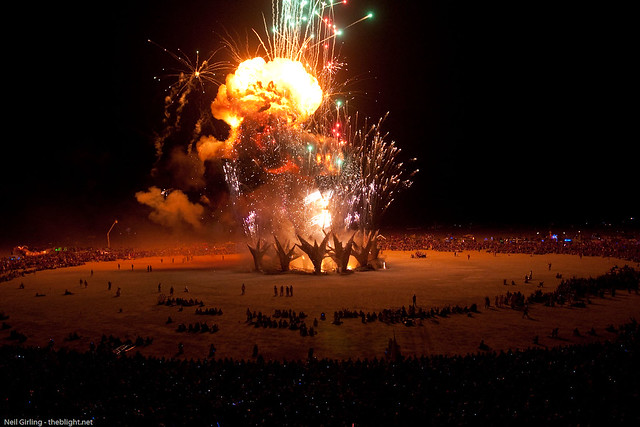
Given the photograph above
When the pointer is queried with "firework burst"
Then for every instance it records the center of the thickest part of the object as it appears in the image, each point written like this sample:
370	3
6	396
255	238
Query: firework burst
192	73
372	176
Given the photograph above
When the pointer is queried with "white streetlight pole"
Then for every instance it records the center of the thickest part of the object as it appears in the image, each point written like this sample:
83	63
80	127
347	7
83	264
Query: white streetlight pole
109	241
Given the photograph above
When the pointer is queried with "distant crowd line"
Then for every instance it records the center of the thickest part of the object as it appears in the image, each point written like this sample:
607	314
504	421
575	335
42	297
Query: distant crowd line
19	264
623	247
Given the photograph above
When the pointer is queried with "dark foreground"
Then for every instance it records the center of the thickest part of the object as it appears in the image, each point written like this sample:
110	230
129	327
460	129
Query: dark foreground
593	384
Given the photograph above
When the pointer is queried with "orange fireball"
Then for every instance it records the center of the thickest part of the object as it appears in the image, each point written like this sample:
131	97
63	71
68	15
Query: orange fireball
280	89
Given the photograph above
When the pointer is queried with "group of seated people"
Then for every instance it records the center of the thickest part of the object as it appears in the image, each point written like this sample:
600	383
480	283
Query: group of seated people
213	311
406	316
198	327
575	292
184	302
282	319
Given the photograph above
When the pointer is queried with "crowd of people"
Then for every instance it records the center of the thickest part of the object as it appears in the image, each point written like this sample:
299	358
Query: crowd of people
282	319
22	262
183	302
406	316
590	384
111	383
20	265
213	311
576	292
626	247
288	289
198	327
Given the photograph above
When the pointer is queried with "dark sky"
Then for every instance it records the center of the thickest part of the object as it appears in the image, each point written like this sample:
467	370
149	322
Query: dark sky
515	110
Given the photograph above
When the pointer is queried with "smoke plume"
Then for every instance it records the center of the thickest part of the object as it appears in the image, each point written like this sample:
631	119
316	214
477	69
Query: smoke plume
171	208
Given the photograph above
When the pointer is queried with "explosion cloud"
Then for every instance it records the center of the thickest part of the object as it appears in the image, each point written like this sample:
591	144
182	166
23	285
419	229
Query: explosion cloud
280	89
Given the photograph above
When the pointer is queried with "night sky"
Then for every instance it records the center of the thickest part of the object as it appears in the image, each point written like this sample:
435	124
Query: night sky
515	112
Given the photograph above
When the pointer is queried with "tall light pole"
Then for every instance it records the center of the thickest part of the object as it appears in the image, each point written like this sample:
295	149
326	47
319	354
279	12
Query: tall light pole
109	241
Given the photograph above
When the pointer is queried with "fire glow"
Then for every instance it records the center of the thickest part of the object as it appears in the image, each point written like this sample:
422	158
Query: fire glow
319	204
278	89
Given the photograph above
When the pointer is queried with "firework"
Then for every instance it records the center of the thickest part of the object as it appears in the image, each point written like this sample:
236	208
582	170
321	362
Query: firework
193	73
372	178
295	166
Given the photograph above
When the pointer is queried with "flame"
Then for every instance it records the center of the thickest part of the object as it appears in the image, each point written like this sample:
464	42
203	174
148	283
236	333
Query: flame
319	204
281	89
289	166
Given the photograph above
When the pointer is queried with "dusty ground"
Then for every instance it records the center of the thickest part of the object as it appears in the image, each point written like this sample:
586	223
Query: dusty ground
438	280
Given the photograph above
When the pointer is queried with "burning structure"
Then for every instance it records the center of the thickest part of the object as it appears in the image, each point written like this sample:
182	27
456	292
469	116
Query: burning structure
294	164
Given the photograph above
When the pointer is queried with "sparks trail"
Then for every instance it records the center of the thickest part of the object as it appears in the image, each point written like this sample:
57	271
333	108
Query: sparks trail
195	72
189	82
371	176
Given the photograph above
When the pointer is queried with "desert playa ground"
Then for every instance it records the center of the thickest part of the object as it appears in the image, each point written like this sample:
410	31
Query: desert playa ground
439	280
